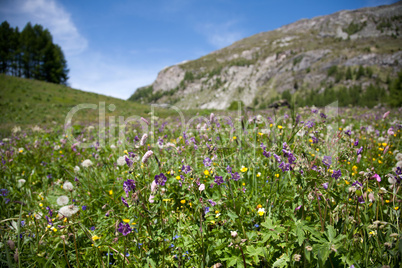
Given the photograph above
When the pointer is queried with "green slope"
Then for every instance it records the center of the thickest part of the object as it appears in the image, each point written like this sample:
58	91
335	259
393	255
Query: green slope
26	102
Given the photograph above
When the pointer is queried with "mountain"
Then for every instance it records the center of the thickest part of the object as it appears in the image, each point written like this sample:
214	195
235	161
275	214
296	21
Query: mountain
347	49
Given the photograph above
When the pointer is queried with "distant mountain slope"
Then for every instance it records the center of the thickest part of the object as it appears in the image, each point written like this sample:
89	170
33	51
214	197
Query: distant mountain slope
324	52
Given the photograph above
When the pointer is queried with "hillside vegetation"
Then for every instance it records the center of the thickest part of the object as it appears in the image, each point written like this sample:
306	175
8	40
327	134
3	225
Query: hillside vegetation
30	102
351	50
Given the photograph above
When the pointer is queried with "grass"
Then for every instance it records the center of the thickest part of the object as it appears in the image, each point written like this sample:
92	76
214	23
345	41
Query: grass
27	102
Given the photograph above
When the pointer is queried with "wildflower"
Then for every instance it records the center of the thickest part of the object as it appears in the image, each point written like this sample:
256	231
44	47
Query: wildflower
259	206
146	156
309	248
280	127
296	257
68	186
327	161
121	161
110	192
325	185
236	176
76	169
234	137
124	228
336	174
84	207
68	211
151	199
258	174
261	211
86	163
360	150
143	140
243	169
4	192
233	234
95	237
206	172
377	177
128	186
207	162
218	180
154	186
183	201
160	179
126	220
202	187
124	201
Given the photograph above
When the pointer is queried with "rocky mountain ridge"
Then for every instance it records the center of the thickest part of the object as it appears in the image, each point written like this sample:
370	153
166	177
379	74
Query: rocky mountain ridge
309	54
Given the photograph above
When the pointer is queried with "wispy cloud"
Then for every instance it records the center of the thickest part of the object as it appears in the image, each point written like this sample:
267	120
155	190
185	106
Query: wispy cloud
221	35
51	15
373	3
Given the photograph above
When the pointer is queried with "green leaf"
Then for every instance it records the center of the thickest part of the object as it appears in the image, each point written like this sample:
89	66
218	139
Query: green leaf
255	253
300	233
281	262
232	216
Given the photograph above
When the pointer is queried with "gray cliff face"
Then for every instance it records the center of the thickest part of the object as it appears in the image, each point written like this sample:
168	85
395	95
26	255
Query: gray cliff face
295	57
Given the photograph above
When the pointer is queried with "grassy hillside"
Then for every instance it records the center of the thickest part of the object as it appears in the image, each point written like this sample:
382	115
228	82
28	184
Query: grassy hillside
27	102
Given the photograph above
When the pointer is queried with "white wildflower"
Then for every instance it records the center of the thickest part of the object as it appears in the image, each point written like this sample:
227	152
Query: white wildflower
87	163
68	211
121	161
143	140
233	234
398	157
68	186
76	169
62	200
146	156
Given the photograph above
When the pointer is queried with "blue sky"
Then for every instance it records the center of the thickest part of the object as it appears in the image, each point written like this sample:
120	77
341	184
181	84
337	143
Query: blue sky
113	47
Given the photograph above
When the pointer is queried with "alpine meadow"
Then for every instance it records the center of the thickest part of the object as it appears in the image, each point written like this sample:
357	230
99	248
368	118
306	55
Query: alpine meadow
282	149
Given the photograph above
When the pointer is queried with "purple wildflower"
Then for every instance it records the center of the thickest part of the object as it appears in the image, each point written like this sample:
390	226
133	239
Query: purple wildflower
236	176
336	174
360	150
186	169
160	179
212	202
284	166
229	169
206	210
128	186
348	132
207	162
356	142
124	202
325	185
124	228
218	180
84	207
327	161
277	158
323	116
357	183
266	154
4	192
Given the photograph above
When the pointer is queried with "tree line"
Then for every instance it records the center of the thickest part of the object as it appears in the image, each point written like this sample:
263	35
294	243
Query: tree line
31	53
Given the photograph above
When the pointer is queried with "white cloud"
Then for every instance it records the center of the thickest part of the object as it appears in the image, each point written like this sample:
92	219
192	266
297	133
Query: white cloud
51	15
103	75
373	3
221	35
